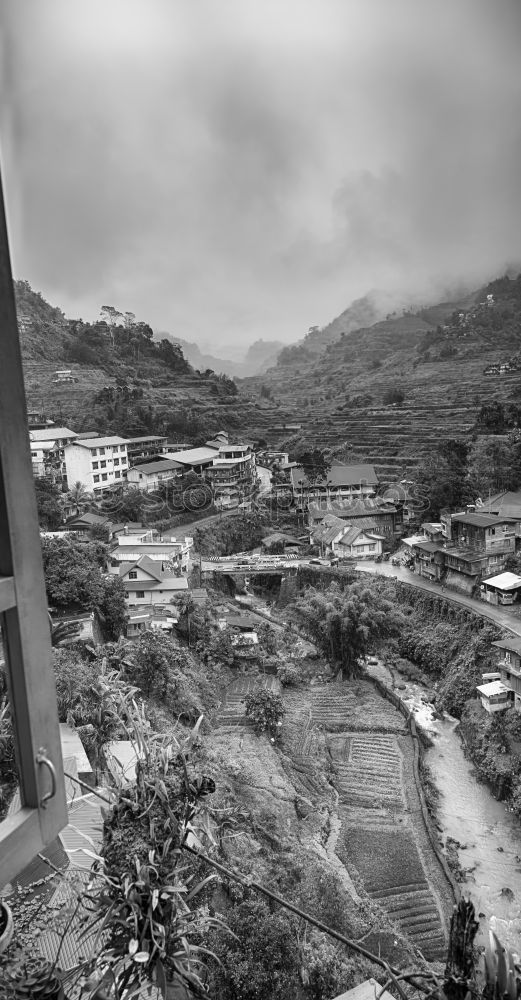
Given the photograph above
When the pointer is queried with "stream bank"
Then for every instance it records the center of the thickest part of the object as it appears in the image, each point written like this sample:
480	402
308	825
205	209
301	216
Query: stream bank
477	829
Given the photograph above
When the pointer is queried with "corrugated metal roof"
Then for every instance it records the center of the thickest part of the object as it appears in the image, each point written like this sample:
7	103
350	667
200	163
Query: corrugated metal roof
84	831
51	433
492	688
505	581
101	442
150	468
480	520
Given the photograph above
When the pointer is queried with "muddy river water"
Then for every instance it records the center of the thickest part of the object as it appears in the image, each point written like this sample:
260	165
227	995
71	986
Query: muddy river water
468	812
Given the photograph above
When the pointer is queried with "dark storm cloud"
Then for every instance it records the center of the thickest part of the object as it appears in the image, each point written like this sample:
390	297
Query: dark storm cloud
235	169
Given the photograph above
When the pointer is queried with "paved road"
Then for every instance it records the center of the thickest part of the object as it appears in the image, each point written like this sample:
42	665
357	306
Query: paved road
503	617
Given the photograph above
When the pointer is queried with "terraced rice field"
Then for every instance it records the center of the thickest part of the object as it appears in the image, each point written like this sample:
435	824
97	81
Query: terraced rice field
366	739
232	712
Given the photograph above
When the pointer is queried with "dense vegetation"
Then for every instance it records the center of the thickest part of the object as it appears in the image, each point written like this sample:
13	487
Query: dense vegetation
345	624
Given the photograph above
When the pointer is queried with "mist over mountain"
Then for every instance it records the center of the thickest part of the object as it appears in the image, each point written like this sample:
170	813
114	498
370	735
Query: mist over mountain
260	356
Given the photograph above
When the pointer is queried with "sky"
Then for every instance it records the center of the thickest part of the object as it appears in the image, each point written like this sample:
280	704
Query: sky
230	170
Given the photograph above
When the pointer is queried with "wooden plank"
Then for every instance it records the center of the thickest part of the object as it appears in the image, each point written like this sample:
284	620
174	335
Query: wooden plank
26	628
7	593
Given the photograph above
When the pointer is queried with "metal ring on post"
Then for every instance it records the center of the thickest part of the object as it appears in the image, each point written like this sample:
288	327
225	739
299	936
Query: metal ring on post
41	758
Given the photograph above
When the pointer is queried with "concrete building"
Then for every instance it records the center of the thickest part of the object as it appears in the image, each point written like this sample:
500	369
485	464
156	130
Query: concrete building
510	666
341	482
495	696
151	475
48	445
128	546
97	462
141	448
232	475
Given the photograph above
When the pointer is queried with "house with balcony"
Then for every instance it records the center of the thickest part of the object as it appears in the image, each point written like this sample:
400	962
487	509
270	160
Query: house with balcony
151	475
429	559
232	474
509	667
196	460
130	544
475	544
139	449
373	513
147	581
49	444
98	463
504	504
341	482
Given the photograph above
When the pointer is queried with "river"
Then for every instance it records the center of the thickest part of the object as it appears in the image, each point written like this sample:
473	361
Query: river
469	813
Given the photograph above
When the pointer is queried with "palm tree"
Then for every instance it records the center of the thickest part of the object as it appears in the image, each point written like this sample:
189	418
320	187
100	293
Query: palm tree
186	606
79	495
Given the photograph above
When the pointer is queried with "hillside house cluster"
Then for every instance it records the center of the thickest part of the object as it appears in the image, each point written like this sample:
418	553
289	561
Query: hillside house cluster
468	550
345	540
147	462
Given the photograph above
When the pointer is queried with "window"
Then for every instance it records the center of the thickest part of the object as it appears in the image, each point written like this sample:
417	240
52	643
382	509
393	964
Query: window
101	451
132	574
103	465
508	658
23	612
104	476
140	595
117	474
96	479
95	465
116	461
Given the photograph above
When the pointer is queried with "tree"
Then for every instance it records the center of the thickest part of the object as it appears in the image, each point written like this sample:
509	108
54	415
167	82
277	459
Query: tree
79	495
494	465
111	608
48	502
345	624
314	464
266	710
72	572
260	958
393	396
443	477
186	606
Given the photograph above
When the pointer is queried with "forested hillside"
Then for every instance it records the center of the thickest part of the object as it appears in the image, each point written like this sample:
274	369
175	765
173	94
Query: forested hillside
127	383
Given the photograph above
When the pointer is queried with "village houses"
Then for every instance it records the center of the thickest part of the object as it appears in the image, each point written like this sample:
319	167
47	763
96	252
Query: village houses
129	544
339	538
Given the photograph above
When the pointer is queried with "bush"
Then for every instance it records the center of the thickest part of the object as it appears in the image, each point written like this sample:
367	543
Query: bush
262	960
288	673
266	710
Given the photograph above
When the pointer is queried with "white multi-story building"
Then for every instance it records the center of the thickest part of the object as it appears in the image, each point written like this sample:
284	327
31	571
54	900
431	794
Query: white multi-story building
97	462
48	450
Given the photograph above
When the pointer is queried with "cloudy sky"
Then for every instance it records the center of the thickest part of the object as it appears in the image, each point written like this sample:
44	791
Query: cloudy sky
235	169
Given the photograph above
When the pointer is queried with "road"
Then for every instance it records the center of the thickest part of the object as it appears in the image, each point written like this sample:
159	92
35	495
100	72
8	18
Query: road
504	617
